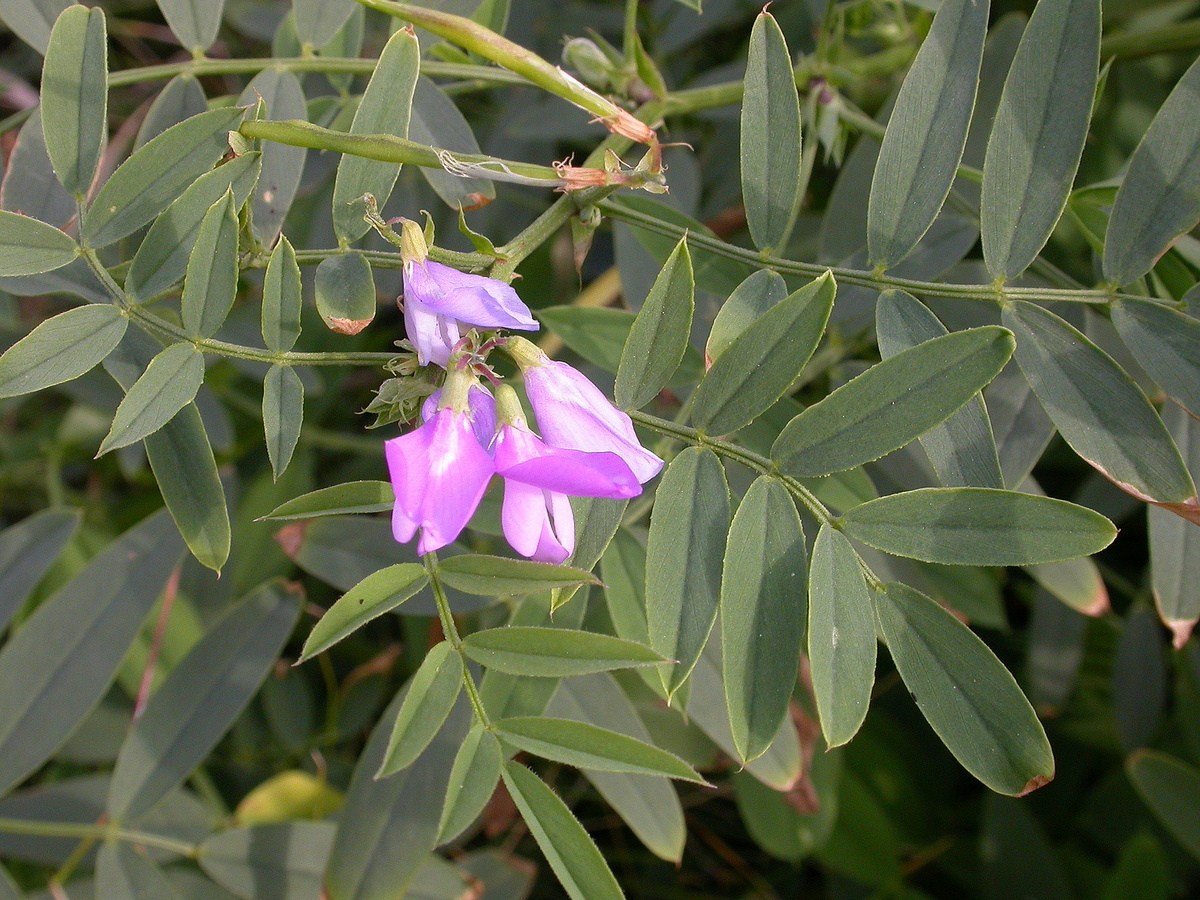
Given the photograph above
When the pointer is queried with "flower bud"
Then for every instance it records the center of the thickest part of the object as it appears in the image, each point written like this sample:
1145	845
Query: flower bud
594	68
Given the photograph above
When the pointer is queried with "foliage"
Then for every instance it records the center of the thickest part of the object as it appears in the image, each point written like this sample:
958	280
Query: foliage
909	367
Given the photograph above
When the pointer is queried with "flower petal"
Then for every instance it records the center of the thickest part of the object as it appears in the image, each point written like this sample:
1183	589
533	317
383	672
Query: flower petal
473	299
522	456
433	335
523	517
482	409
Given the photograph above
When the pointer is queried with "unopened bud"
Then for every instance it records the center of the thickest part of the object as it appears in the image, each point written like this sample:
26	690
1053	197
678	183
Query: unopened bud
412	242
594	68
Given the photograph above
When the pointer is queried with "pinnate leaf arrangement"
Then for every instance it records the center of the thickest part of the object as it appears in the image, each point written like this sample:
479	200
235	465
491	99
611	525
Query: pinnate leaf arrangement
798	482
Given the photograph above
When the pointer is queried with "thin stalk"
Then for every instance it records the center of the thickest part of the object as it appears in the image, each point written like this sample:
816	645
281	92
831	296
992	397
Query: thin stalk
96	832
629	37
1167	39
450	630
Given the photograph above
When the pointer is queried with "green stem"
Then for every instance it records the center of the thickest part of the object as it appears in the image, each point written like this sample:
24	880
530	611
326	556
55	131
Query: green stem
1167	39
986	293
748	458
346	65
629	37
450	630
96	832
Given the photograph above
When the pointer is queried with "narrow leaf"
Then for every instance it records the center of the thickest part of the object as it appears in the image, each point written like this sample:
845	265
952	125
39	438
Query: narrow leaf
157	173
282	298
437	122
926	133
1159	198
1083	391
770	138
430	697
1038	134
169	384
962	449
121	871
688	529
210	286
965	693
384	109
27	550
978	527
659	334
554	652
338	500
195	22
61	349
161	259
498	576
282	165
892	403
283	415
472	782
289	856
375	595
571	853
747	304
1175	543
31	247
762	362
75	96
841	637
200	699
1171	788
587	746
764	601
1166	342
318	21
61	661
31	20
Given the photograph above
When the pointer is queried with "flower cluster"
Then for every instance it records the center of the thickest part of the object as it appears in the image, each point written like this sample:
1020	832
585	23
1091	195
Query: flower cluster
469	434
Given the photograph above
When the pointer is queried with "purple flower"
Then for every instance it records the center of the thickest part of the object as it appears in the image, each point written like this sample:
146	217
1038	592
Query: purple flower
441	303
482	410
439	473
574	415
539	479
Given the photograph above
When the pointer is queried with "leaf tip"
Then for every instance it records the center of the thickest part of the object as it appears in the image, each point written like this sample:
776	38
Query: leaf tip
1036	782
1181	630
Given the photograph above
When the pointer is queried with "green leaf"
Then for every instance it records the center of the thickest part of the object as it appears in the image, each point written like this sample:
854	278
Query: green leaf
317	21
30	247
156	174
587	746
31	20
341	499
283	415
763	611
388	826
61	661
648	804
30	185
1084	392
1159	198
688	529
659	334
121	871
200	699
1140	872
472	782
926	133
554	652
962	449
1017	856
375	595
27	550
345	292
748	303
1038	134
182	98
210	286
1175	543
162	257
764	360
430	697
841	637
75	96
282	165
385	108
437	122
1171	788
282	298
598	335
623	571
770	138
169	384
61	349
1166	342
966	694
571	853
978	527
499	576
892	403
183	465
195	22
289	856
